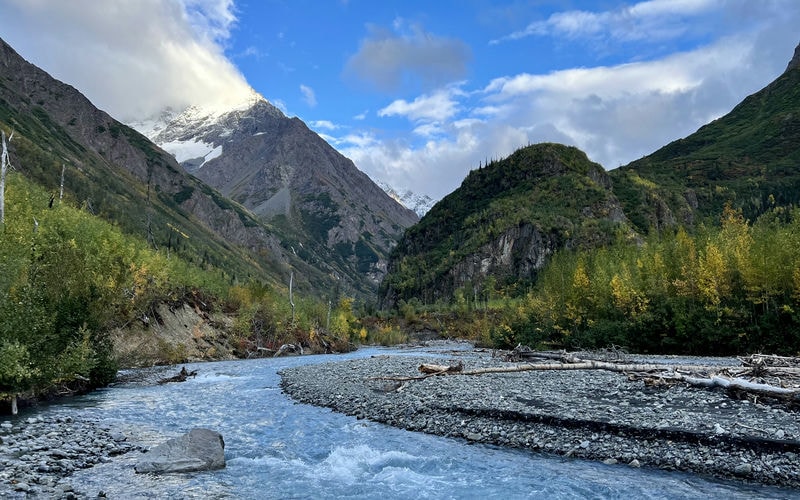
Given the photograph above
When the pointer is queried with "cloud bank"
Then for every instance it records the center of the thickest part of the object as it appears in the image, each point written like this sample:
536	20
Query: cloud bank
133	57
615	113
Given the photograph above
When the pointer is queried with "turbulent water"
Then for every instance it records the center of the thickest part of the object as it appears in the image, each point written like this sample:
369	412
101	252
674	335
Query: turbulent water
279	449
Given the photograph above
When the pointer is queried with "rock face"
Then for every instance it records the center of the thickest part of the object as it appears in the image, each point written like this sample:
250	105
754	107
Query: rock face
327	211
198	450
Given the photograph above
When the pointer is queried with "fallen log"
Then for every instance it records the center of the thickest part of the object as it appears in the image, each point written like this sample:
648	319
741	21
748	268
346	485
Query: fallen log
180	377
434	369
288	349
651	372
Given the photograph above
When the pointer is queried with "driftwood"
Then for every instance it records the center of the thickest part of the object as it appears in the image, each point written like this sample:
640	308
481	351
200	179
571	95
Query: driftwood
730	378
288	349
180	377
434	369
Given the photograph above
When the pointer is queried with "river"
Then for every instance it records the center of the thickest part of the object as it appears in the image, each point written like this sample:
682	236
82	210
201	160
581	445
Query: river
276	448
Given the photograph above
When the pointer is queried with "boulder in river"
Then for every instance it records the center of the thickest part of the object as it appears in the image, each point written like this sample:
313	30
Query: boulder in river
198	450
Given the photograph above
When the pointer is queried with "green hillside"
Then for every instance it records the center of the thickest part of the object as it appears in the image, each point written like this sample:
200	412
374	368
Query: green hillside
40	147
541	198
749	158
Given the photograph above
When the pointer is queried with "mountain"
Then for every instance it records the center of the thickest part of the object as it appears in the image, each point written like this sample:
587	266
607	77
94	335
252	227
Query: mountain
505	220
118	174
320	205
502	224
419	203
749	158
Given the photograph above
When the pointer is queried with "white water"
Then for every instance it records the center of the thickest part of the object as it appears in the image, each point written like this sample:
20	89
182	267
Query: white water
278	449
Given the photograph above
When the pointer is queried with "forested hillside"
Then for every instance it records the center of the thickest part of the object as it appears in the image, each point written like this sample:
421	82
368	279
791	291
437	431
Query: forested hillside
503	223
692	249
749	158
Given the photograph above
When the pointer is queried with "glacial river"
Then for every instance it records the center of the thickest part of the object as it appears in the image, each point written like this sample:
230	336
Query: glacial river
276	448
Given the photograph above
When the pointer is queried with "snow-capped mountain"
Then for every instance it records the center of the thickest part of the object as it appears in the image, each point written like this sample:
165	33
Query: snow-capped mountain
195	135
419	203
321	204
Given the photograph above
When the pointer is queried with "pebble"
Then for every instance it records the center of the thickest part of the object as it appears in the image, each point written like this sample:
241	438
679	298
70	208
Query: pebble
38	452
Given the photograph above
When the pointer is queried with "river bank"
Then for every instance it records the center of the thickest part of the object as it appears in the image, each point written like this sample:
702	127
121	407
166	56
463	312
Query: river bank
593	415
37	454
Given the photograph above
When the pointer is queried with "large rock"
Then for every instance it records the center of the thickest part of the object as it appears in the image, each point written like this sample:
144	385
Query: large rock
198	450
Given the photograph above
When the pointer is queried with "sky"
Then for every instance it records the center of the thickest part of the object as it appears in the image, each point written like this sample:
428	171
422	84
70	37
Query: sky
419	92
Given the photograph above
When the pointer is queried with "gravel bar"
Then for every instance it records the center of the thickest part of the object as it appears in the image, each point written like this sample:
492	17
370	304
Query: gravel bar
588	414
38	454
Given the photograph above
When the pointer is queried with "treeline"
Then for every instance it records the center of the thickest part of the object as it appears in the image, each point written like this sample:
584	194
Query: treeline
727	289
66	277
722	290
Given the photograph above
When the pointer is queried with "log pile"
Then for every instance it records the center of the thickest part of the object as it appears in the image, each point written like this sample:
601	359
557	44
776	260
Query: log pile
760	377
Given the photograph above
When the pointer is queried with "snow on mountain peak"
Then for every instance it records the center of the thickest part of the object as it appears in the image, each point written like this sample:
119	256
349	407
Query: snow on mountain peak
193	135
419	203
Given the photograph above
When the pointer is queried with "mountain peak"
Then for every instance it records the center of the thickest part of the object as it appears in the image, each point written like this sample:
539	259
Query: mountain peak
419	203
795	62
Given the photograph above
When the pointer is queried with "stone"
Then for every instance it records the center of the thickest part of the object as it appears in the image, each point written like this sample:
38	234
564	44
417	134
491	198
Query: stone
743	469
635	463
198	450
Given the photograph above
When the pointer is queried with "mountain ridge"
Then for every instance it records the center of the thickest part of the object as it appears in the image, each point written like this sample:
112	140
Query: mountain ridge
320	204
747	158
117	173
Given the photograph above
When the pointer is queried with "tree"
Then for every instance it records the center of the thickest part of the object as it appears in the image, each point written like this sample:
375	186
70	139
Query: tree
3	170
16	372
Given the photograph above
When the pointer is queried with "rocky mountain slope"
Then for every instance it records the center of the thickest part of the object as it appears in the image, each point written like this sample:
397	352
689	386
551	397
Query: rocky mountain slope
321	206
117	173
503	222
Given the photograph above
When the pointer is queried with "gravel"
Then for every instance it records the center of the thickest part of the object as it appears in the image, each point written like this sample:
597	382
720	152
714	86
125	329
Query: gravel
37	454
591	414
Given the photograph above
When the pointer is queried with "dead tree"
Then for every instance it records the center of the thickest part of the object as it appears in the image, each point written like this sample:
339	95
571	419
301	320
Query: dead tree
3	169
291	298
730	378
61	188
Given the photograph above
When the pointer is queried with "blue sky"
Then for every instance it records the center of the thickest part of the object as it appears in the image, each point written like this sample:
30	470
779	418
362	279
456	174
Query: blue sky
417	92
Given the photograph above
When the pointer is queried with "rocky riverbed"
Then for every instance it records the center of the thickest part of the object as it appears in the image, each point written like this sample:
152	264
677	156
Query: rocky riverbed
596	415
37	454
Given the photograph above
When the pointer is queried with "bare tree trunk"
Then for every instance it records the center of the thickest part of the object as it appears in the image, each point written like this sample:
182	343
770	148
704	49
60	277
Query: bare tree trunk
61	189
3	170
658	372
291	298
150	237
328	321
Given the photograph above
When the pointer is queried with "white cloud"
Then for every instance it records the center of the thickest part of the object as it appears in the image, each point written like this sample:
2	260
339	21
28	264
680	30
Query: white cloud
389	59
308	95
132	58
438	106
615	114
358	140
324	124
649	20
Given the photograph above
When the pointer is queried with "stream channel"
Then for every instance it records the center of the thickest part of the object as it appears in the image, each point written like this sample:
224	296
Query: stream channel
276	448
